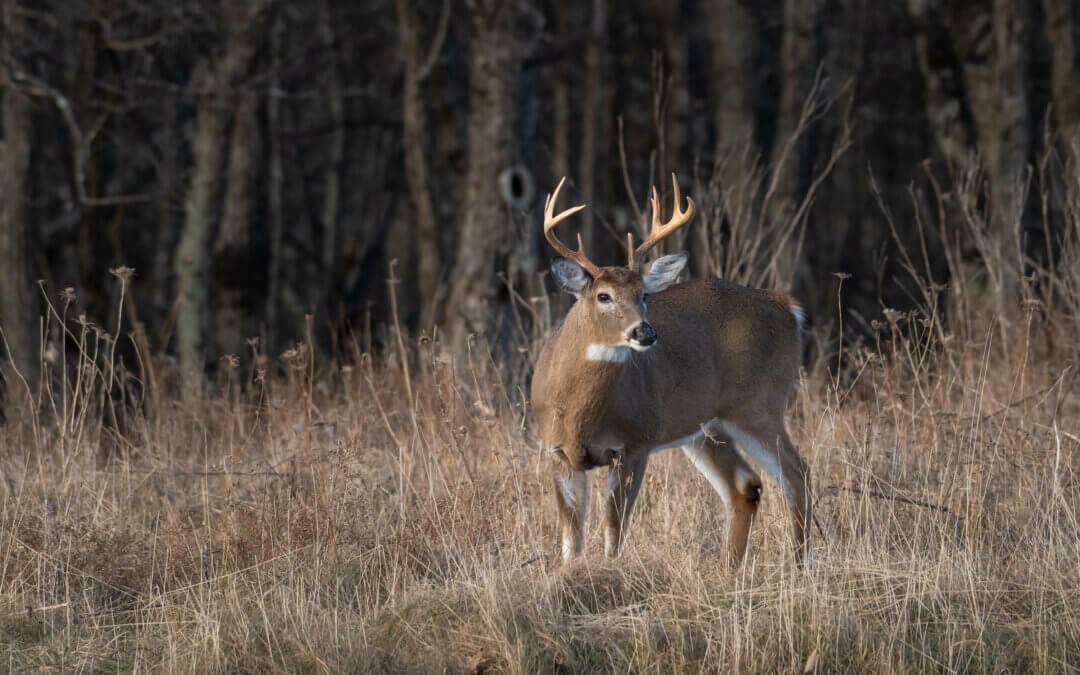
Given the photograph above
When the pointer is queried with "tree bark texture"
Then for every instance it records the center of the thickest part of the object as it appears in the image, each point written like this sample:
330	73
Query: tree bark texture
232	264
592	112
414	130
335	155
17	308
792	150
214	87
993	41
946	104
485	223
1063	31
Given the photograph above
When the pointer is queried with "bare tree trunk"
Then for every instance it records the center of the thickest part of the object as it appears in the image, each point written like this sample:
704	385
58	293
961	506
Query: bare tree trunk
17	314
171	184
275	182
214	85
560	142
592	110
414	119
677	122
190	262
792	151
18	297
733	42
798	62
995	64
492	66
335	156
1063	31
232	261
945	101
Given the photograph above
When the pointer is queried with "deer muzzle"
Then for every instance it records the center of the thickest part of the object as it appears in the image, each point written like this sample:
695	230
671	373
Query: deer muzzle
642	336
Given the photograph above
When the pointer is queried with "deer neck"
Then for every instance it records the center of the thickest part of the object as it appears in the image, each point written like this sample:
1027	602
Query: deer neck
590	371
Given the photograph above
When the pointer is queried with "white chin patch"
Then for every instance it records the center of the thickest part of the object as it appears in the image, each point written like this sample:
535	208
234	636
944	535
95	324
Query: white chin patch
608	353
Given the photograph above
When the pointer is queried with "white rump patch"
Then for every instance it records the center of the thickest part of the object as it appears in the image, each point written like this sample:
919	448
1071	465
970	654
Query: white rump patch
800	315
608	353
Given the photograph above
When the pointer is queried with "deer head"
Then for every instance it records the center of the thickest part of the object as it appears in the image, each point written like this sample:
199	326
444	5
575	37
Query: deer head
614	299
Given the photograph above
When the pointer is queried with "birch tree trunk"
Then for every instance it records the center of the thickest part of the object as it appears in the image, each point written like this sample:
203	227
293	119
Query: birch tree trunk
485	223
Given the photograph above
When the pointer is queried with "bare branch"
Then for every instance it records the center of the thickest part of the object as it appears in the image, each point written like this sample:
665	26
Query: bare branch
80	142
436	43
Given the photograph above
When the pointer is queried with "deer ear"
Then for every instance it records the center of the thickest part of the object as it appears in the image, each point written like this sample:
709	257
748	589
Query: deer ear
664	272
570	277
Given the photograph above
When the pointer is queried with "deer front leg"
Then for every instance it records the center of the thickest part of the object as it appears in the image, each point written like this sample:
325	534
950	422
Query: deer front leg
572	498
624	482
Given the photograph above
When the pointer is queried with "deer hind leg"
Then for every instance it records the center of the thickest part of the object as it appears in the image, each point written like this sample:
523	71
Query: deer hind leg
715	456
624	483
572	498
769	446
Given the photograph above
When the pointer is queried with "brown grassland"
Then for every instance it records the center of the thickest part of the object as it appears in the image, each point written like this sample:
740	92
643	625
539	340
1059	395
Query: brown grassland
391	511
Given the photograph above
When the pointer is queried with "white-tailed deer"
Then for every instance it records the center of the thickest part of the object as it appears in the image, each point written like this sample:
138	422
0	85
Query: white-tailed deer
711	365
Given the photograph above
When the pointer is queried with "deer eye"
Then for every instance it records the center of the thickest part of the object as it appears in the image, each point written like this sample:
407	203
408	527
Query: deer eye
603	297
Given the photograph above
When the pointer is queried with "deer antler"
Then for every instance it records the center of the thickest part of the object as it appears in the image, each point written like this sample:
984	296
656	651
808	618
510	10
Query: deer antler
551	220
661	231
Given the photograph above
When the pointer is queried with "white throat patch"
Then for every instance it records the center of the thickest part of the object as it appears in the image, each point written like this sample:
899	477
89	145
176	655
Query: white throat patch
609	353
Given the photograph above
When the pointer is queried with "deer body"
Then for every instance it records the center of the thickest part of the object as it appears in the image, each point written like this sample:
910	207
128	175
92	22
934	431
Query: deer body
640	365
628	400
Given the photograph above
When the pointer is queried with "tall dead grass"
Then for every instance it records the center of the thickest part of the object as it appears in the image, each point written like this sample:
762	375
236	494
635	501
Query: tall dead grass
391	513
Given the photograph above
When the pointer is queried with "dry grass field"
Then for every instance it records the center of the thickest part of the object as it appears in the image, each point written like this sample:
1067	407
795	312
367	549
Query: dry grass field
391	512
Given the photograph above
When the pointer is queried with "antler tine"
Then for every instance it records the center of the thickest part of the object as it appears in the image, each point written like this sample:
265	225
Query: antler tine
551	220
661	230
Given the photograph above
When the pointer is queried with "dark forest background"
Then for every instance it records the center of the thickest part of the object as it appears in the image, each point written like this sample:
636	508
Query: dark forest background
256	161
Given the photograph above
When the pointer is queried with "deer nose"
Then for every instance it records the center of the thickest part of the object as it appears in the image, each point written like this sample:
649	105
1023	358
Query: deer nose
643	334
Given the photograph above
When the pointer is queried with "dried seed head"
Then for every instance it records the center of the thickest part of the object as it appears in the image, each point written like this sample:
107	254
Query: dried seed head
123	273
